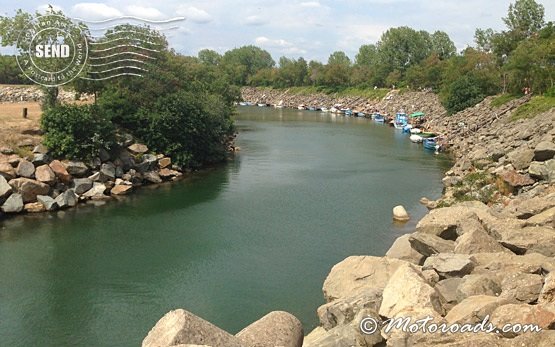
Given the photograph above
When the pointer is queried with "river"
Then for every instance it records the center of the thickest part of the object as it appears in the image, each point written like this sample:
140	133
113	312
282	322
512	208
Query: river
230	245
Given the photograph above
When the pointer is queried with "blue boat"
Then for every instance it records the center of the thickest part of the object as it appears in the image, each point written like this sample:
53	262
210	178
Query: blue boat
401	120
378	118
348	112
431	143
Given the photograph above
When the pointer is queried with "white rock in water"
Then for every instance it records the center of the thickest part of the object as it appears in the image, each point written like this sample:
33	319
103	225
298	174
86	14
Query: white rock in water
400	214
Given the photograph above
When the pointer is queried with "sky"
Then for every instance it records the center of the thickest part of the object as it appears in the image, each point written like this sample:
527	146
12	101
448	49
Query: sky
312	29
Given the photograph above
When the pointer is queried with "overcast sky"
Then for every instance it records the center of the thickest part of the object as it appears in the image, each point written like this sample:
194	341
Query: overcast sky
311	29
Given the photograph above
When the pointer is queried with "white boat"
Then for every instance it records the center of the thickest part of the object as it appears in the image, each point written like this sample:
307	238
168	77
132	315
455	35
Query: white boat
333	110
416	138
415	131
279	105
324	109
301	107
261	105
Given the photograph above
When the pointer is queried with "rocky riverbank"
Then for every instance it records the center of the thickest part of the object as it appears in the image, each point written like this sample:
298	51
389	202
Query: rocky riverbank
486	248
32	93
40	183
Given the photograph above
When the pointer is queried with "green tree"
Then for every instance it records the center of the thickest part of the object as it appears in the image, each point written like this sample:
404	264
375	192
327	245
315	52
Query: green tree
210	57
400	48
525	18
367	55
442	45
243	63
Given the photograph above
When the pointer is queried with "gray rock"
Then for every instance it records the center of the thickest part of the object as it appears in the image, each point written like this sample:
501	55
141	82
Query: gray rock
448	289
103	155
152	177
429	244
477	284
343	311
531	239
275	329
356	274
138	148
25	169
14	204
408	290
96	192
401	249
29	188
45	174
48	202
445	222
477	241
341	336
40	159
182	327
76	168
545	150
521	158
66	199
450	181
522	287
449	265
5	189
474	309
81	185
40	149
108	170
547	294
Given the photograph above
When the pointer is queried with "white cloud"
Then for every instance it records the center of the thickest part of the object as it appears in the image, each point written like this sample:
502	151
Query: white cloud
45	8
255	20
311	4
266	42
194	14
94	10
144	12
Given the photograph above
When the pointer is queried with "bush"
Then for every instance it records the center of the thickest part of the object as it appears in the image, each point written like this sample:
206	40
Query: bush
193	129
463	93
76	132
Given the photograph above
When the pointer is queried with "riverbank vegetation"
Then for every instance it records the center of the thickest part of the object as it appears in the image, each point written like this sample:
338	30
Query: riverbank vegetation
517	60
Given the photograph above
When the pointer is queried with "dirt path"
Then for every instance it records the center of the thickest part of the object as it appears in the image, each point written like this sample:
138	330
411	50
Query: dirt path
14	129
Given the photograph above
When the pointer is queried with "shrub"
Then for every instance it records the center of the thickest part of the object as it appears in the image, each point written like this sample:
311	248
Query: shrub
76	132
194	129
463	93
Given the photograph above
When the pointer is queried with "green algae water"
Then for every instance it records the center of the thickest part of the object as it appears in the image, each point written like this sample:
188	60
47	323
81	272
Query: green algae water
232	244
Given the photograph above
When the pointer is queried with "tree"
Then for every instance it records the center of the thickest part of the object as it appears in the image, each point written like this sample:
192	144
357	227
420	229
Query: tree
483	39
339	58
242	63
367	55
525	18
442	45
400	48
210	57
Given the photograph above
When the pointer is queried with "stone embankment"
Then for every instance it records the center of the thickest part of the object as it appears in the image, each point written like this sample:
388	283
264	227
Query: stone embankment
40	183
485	250
33	93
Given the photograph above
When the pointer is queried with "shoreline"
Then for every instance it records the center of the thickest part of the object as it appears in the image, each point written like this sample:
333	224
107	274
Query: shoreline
484	250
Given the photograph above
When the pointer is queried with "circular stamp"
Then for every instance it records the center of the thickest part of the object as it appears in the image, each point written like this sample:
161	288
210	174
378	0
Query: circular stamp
52	50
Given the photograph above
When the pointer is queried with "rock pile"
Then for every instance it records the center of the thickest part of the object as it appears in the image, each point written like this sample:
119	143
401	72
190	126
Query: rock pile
41	184
33	94
182	328
426	102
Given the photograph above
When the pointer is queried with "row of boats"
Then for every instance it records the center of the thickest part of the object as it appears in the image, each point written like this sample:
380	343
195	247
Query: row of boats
409	124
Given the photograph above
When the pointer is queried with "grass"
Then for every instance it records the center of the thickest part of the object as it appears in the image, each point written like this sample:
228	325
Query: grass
502	100
537	105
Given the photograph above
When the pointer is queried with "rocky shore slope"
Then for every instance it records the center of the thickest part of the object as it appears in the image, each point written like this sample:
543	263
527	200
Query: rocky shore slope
486	250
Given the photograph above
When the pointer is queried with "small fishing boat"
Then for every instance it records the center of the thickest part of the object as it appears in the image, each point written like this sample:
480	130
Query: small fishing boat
348	112
262	105
243	103
279	105
312	108
407	128
415	131
324	109
431	143
416	138
301	107
361	114
400	121
378	118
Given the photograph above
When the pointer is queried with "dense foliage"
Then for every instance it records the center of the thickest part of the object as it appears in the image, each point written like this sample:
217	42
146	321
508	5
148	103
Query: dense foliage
76	132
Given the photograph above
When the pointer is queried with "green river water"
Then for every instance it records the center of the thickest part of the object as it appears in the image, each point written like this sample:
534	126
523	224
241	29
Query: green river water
232	244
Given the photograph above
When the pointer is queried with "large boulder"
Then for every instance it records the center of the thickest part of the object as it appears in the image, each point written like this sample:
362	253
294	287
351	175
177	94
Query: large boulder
544	150
340	336
96	192
445	222
477	284
400	214
82	185
540	315
407	290
34	207
513	179
343	311
521	158
29	189
138	148
48	202
538	170
60	171
152	177
7	171
545	218
76	168
521	287
449	265
13	204
182	327
108	172
121	189
275	329
429	244
531	239
5	189
402	249
547	294
474	309
25	169
448	289
164	162
358	273
477	241
45	174
66	199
